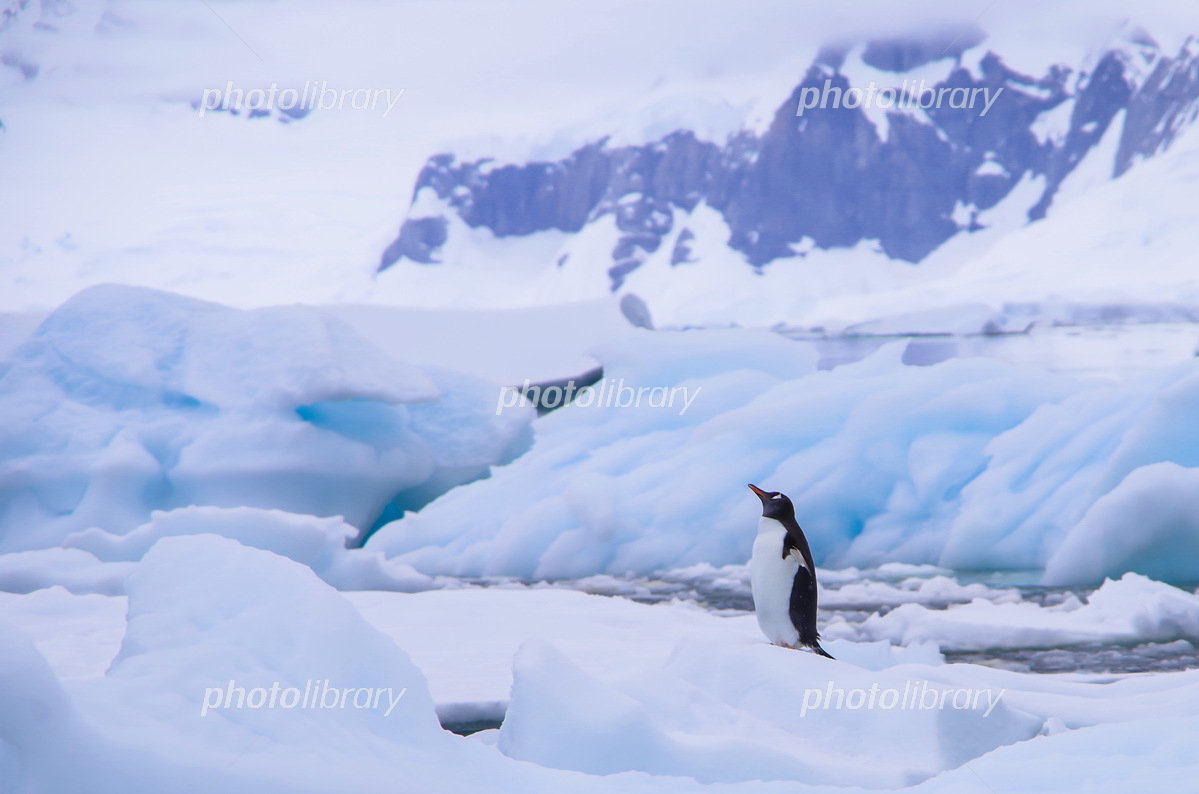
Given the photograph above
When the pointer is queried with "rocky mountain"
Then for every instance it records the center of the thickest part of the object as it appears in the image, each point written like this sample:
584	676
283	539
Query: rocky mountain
934	135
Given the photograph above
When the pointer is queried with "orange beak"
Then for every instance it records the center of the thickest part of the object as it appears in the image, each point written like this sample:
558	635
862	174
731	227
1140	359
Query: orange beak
761	494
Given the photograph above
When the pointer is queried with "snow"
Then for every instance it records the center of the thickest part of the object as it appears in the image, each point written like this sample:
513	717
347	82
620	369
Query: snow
319	543
1079	255
599	633
592	686
205	611
79	635
1053	125
953	320
505	346
710	713
180	479
239	211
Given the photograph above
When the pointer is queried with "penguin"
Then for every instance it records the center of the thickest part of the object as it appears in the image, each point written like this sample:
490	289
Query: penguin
783	576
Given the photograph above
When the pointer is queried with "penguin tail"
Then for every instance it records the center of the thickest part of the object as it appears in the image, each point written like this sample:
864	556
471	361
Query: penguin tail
822	652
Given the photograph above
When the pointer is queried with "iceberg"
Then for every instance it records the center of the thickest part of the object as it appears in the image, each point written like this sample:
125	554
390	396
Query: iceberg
874	454
128	400
966	464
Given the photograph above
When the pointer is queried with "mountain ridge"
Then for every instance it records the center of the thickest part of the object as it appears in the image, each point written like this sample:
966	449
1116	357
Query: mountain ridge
831	178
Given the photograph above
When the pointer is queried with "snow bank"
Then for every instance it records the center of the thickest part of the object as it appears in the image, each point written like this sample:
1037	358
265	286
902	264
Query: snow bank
741	712
1129	611
601	730
126	400
721	712
639	698
203	611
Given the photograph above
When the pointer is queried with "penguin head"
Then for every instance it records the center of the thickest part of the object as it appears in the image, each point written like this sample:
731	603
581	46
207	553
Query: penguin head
774	504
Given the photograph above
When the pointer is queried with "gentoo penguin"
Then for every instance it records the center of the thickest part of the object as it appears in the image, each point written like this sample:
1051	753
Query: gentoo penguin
783	576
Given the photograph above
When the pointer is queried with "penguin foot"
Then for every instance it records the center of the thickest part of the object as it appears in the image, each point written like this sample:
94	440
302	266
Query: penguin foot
816	649
799	646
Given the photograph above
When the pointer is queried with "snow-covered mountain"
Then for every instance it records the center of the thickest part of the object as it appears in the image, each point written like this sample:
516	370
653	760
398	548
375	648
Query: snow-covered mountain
895	177
679	172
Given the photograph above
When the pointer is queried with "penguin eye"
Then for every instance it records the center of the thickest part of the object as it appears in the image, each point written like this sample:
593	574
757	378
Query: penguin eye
777	496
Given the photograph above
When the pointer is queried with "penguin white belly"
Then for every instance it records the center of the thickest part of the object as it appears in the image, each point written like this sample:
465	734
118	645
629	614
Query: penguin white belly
771	578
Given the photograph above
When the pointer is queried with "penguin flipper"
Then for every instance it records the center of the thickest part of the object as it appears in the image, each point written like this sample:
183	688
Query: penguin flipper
802	608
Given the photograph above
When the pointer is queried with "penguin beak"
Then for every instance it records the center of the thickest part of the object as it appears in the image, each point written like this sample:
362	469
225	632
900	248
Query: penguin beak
761	494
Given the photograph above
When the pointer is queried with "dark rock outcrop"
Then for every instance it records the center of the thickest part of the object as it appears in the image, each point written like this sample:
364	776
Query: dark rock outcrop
830	176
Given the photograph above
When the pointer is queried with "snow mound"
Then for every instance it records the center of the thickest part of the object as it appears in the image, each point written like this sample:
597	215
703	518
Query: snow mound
126	400
726	713
205	610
